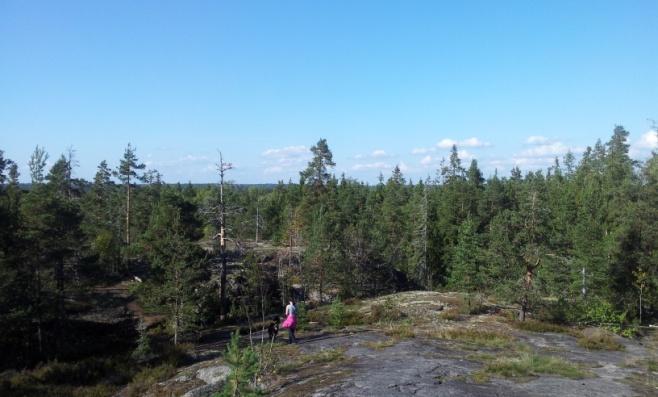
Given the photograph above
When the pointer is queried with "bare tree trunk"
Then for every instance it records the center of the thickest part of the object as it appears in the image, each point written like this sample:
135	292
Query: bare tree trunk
128	212
222	167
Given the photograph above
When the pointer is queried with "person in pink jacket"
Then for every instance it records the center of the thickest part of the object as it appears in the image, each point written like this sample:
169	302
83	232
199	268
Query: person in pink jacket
291	321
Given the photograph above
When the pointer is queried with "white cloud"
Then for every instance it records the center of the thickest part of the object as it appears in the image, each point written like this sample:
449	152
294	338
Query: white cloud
288	151
528	163
472	142
465	155
375	154
446	143
541	146
179	162
427	160
423	150
546	149
540	152
377	165
379	153
648	140
536	139
277	160
403	166
275	169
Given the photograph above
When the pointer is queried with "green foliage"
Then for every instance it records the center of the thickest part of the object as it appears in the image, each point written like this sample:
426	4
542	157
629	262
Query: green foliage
302	315
144	350
523	238
244	364
337	313
599	312
541	326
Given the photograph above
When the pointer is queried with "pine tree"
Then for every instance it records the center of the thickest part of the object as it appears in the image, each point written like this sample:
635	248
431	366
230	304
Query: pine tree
127	171
102	223
177	266
316	173
38	165
465	272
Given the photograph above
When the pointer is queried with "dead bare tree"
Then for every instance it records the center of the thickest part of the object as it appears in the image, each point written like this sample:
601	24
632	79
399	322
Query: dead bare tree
222	167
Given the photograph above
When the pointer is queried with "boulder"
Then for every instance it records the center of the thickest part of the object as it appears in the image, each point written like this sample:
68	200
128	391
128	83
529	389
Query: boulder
213	375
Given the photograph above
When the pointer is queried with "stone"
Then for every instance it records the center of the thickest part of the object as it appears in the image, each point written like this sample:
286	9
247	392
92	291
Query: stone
213	375
203	391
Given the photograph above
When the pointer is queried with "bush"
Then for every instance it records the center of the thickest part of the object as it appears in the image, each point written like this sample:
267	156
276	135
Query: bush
302	315
144	350
244	364
603	313
472	304
386	311
596	339
337	313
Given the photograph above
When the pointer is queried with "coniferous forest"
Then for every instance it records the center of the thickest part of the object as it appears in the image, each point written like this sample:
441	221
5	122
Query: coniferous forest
576	243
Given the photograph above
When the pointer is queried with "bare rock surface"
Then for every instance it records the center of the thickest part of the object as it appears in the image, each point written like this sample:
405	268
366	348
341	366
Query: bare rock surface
424	367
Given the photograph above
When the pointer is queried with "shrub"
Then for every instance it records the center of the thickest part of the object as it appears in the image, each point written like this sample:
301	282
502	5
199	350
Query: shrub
244	364
337	313
386	311
596	339
144	350
302	315
602	313
470	304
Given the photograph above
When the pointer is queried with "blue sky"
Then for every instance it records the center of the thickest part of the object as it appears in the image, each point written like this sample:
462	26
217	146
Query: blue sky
512	82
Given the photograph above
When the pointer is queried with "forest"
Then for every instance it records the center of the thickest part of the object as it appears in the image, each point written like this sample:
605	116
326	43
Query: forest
576	243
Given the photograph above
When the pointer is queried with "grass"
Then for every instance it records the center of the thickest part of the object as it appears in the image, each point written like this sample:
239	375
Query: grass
541	326
599	341
382	344
474	336
451	314
527	365
303	360
91	377
400	331
645	382
149	376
